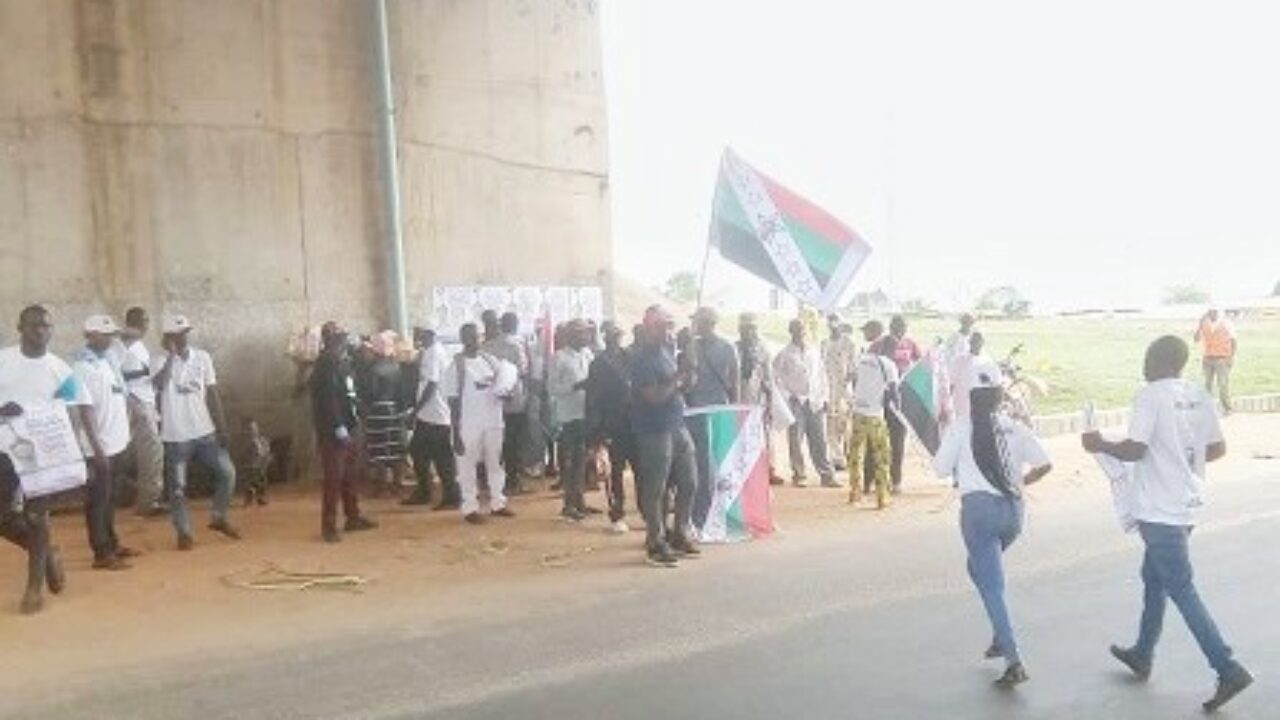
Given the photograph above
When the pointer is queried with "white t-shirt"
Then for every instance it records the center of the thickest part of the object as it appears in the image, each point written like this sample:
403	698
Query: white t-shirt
481	405
954	458
1177	421
134	357
102	381
25	380
568	368
184	412
872	377
431	368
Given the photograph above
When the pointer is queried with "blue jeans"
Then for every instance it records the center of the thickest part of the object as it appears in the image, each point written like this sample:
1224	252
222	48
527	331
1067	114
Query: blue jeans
209	453
990	524
1167	575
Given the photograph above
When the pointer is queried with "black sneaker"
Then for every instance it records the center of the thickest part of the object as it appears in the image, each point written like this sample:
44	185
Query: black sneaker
662	557
474	518
358	523
417	498
1229	685
1138	665
1013	676
224	527
685	548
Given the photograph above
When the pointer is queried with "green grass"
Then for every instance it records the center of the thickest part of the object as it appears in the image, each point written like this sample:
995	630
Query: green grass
1100	359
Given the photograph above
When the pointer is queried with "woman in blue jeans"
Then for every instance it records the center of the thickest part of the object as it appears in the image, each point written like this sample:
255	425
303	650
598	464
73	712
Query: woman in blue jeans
987	455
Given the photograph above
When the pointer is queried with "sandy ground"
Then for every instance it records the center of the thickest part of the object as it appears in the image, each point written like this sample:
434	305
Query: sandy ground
176	606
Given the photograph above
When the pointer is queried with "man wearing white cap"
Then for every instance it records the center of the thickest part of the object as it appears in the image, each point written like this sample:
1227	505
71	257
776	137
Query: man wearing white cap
193	428
107	432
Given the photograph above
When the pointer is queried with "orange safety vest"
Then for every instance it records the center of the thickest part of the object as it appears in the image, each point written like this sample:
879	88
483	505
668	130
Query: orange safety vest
1216	338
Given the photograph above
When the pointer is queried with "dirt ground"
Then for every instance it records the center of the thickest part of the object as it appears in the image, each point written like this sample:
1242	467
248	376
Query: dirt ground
175	605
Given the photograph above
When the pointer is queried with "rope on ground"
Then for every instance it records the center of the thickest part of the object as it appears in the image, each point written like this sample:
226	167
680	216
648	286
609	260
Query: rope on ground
273	577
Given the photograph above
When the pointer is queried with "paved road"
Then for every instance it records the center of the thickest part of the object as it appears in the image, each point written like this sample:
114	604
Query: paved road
873	619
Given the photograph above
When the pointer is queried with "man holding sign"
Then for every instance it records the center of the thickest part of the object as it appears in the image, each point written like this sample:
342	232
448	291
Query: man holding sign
32	380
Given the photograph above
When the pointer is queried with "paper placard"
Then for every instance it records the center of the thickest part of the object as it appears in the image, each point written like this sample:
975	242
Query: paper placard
44	449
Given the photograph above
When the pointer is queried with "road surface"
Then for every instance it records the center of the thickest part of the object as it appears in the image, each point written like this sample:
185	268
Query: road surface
873	619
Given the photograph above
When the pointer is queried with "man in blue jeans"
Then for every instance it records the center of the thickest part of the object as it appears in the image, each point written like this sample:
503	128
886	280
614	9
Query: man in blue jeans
1173	433
192	427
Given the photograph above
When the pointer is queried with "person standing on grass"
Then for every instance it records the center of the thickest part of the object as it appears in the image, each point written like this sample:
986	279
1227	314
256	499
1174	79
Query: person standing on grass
1218	338
991	458
1173	433
107	430
664	450
609	421
144	424
960	371
802	380
432	444
875	383
904	352
958	345
193	427
30	375
567	384
716	381
333	403
473	384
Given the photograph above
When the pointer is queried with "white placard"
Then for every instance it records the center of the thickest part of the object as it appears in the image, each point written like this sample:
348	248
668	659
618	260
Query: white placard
44	449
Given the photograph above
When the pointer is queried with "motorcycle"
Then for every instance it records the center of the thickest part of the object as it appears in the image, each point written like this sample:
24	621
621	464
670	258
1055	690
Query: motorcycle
1020	387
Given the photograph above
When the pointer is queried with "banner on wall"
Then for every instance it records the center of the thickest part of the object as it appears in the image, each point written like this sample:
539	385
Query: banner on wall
454	306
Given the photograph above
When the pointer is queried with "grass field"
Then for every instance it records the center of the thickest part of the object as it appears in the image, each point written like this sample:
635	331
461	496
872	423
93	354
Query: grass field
1100	359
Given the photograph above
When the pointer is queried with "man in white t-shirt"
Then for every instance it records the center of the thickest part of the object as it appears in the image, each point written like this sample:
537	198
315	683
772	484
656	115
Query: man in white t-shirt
475	383
144	428
31	375
567	385
97	371
192	427
432	445
875	380
1173	432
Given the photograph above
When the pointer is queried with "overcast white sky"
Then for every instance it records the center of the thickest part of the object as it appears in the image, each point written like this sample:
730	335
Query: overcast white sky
1088	152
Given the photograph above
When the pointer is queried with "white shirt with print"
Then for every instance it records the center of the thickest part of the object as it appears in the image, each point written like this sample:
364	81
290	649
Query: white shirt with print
102	381
1177	421
184	411
1022	451
27	381
431	368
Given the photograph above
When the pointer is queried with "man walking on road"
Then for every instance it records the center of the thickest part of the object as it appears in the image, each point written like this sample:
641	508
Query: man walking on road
194	428
1218	338
1173	432
664	450
144	423
333	402
802	380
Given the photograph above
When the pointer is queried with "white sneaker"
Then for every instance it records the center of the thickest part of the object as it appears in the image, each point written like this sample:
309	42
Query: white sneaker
619	527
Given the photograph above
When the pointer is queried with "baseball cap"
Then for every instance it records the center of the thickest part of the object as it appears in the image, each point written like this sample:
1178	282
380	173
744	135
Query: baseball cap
985	374
175	324
101	325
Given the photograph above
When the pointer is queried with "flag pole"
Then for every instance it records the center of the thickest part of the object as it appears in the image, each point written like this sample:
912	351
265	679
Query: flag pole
706	260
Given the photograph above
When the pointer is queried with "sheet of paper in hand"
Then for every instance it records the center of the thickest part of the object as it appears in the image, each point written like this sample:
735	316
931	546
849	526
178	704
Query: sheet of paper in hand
44	449
1119	473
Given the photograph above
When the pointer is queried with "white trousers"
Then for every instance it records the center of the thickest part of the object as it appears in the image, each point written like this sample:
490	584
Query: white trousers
485	447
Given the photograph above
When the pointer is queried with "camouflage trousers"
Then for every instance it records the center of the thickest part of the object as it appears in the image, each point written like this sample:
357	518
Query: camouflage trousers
869	434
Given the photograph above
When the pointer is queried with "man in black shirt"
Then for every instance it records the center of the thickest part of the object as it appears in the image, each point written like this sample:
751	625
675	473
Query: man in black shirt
333	400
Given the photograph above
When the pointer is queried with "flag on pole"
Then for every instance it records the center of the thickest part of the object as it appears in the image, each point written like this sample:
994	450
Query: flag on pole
781	237
922	401
741	497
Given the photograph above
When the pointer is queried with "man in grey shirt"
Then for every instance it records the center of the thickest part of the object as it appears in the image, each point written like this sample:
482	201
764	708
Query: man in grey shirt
502	340
716	382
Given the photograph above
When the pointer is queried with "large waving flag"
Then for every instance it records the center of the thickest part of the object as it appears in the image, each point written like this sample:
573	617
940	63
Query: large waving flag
740	501
922	399
781	237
